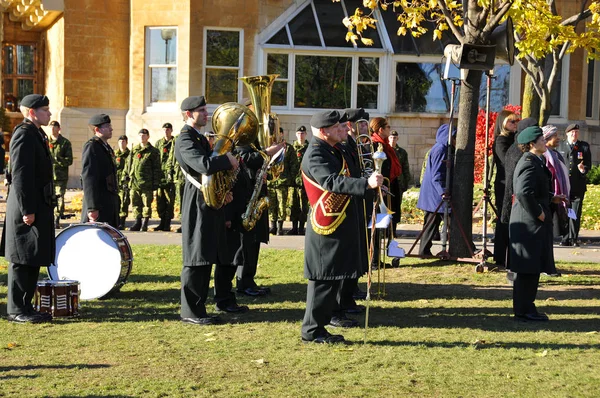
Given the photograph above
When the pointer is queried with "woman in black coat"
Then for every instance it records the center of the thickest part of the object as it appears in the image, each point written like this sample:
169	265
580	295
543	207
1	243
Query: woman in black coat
530	226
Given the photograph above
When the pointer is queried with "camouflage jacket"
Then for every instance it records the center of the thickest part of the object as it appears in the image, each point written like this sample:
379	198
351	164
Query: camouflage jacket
143	168
62	157
404	178
290	169
165	148
178	176
121	158
300	150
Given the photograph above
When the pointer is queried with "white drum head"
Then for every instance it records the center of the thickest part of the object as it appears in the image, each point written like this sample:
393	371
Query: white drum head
87	254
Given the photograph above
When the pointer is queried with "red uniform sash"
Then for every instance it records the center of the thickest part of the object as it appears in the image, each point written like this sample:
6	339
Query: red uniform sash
328	208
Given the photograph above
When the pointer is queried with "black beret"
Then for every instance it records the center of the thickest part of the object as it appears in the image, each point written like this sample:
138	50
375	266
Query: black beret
144	131
573	126
327	118
191	103
99	120
123	138
167	126
527	122
530	134
54	123
302	129
355	114
34	101
394	133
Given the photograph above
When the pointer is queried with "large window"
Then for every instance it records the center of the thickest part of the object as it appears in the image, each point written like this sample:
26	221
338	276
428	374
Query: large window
18	73
161	59
223	63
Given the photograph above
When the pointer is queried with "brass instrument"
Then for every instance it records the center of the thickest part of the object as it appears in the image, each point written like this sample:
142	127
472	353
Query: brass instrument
379	157
259	88
234	124
257	204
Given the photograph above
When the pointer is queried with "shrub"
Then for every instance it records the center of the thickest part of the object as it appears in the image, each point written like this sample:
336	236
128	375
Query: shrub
593	176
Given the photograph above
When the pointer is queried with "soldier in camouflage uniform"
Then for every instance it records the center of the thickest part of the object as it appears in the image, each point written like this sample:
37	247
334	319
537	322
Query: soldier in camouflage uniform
62	158
145	174
299	198
165	196
278	192
121	159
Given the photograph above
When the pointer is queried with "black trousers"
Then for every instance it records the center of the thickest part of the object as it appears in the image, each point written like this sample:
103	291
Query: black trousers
429	232
577	205
345	295
525	289
320	304
500	242
22	281
194	288
246	259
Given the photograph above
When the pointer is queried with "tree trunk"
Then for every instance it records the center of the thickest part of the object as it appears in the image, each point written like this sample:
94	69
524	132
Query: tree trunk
462	173
531	101
545	108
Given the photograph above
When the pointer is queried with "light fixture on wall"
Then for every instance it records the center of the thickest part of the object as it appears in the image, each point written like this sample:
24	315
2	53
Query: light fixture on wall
167	35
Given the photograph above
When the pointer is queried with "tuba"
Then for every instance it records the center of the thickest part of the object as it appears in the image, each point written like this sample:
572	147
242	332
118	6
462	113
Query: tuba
234	124
259	88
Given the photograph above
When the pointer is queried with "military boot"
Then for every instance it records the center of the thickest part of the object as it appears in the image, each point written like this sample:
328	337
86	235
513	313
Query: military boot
122	223
57	222
167	225
279	227
145	224
273	229
138	224
161	226
294	230
301	228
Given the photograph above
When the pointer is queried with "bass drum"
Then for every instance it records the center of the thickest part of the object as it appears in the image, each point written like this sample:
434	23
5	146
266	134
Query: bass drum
95	254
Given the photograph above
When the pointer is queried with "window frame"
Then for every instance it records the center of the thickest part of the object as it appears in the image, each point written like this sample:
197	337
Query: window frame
595	118
35	77
205	67
158	106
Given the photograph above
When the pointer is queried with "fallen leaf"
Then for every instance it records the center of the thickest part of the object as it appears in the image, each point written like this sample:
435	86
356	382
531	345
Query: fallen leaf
208	334
10	346
542	354
213	339
592	332
260	361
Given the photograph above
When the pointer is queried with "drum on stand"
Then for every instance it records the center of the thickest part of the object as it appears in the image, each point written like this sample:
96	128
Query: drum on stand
59	298
95	254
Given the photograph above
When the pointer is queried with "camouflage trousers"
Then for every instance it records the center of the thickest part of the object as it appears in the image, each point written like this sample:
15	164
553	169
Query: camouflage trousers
125	196
278	203
165	201
299	204
141	202
60	188
179	195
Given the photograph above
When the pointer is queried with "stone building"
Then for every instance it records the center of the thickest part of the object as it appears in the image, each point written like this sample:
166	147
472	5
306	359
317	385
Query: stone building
137	60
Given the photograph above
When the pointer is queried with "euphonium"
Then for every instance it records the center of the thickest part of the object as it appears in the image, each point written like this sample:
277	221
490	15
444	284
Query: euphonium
234	124
259	88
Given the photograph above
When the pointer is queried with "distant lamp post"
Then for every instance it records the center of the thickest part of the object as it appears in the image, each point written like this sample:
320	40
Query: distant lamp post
167	35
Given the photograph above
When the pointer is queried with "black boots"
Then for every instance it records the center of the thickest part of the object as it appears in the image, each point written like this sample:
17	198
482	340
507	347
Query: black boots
57	222
294	230
167	225
279	227
161	226
273	229
145	224
138	224
122	223
301	228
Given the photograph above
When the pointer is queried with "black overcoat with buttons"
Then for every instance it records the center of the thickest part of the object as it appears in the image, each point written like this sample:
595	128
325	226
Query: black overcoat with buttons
340	254
31	192
573	155
531	249
204	238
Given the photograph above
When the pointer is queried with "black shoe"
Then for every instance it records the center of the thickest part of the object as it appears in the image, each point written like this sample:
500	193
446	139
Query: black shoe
343	322
34	317
301	231
253	292
161	226
566	243
178	230
233	308
357	309
138	224
535	317
328	339
292	232
209	320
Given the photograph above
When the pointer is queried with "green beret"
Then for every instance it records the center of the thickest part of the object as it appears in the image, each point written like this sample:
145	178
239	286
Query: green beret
530	134
99	120
191	103
356	114
327	118
34	101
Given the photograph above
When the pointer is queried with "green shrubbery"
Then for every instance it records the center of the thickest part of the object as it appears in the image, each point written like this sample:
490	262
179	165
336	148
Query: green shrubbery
593	176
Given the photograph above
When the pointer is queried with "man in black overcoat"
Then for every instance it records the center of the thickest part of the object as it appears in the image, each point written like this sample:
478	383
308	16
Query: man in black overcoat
578	159
29	226
101	200
204	239
333	240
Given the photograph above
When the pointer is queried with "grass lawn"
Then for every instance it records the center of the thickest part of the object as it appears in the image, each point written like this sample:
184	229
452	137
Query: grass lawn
442	331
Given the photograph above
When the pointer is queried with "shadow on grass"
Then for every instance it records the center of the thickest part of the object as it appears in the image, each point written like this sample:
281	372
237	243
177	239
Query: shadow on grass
462	344
43	367
137	278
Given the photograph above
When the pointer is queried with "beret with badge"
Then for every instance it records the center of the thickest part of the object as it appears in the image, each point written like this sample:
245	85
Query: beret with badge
356	114
167	126
34	101
573	126
301	129
325	119
530	134
191	103
99	120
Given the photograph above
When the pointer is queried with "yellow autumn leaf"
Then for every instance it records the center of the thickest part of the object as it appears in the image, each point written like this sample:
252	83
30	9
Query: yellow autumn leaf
366	41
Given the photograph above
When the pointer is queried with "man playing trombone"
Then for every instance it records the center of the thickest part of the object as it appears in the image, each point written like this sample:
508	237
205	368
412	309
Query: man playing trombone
332	245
